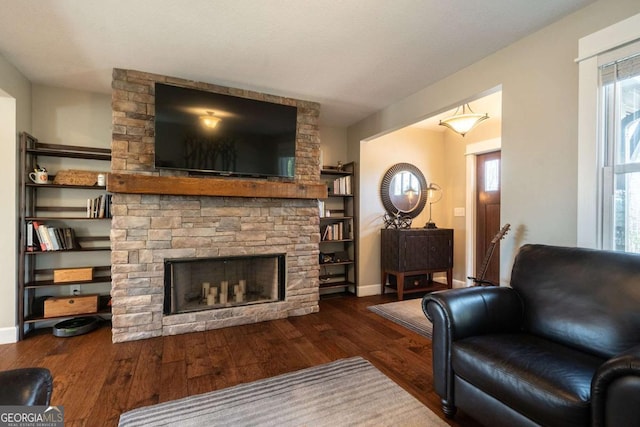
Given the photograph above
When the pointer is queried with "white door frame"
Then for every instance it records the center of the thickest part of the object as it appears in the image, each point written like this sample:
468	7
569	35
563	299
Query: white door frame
471	152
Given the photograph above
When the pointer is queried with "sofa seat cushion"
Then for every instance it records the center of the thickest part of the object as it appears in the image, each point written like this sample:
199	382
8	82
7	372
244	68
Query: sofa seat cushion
528	373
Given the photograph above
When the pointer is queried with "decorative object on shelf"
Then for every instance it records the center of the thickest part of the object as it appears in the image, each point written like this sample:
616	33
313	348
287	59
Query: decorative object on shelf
397	221
77	177
62	275
434	194
39	176
403	191
69	306
463	123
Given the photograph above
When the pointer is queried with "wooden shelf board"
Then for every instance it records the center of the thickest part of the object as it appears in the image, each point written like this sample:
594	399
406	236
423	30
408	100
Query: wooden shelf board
102	248
62	218
51	283
68	186
34	319
212	186
70	151
331	264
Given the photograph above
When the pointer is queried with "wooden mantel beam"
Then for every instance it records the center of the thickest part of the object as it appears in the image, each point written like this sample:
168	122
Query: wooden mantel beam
212	186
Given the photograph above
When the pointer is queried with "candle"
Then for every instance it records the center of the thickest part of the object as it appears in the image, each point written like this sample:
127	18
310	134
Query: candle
224	287
205	289
213	291
211	299
239	297
223	298
243	286
236	289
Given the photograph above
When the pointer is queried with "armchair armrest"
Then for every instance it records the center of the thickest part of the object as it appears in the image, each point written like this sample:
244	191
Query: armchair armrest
615	390
475	311
26	386
461	313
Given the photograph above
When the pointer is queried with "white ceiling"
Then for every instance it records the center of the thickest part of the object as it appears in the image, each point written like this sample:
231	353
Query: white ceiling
353	56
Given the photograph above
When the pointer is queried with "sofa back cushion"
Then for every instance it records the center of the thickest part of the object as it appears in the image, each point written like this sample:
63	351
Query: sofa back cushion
585	298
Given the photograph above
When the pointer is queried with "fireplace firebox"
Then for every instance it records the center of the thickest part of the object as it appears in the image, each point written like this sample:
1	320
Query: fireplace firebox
196	284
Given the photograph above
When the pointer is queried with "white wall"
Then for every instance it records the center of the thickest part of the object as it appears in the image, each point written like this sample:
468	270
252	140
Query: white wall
15	116
425	150
539	81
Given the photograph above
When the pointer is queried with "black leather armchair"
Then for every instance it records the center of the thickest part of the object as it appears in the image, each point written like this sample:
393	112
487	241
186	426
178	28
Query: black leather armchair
560	347
27	386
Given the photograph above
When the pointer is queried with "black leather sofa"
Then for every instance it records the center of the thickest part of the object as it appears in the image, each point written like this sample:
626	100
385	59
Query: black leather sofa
560	347
27	386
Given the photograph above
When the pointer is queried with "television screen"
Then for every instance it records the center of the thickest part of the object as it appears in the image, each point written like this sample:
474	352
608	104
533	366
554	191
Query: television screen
208	132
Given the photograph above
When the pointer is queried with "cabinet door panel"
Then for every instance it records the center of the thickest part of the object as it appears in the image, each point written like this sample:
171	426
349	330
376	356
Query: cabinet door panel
439	251
416	252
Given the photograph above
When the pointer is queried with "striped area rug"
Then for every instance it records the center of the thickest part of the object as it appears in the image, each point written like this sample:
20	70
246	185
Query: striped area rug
347	392
407	313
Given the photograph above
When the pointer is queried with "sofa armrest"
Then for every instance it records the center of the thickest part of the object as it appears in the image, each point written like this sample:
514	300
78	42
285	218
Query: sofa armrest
460	313
615	390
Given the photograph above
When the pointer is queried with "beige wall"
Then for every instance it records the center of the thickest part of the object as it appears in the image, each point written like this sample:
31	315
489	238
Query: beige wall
425	150
539	81
333	143
15	116
71	117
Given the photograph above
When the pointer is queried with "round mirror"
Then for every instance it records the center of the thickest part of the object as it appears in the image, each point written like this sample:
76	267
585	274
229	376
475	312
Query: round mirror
403	190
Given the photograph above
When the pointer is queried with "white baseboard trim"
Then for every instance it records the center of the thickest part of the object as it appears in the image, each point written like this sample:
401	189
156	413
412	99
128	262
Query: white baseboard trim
8	335
368	290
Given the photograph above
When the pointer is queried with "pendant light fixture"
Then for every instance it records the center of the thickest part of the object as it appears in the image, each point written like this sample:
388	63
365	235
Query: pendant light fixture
463	123
210	120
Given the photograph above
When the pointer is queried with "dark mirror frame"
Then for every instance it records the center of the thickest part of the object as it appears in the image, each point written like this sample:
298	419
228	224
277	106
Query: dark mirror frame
386	184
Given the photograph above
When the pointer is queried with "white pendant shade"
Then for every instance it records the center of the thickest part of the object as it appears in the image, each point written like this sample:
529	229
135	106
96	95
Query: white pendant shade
463	123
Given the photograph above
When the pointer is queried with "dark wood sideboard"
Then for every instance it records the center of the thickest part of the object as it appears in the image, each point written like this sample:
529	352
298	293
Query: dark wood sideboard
412	255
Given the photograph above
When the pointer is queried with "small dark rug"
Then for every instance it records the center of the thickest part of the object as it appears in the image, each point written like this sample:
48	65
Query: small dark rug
347	392
407	313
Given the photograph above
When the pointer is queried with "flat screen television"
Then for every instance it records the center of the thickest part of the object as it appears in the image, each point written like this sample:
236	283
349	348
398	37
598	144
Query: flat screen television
252	138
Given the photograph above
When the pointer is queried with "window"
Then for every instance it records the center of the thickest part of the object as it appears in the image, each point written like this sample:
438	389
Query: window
608	214
620	148
492	175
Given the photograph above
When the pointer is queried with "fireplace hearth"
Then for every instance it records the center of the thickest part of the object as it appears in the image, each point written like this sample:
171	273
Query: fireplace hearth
197	284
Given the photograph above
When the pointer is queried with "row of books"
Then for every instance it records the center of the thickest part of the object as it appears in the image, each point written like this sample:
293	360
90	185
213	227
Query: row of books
337	231
42	237
99	207
342	185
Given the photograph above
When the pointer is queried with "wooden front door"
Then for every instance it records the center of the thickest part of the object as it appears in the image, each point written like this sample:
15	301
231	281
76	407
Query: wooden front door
488	211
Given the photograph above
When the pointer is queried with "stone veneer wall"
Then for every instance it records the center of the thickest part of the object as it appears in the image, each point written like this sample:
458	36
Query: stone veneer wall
147	229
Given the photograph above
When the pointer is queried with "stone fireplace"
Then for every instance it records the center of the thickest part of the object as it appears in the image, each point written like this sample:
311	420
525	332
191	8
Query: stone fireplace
197	284
152	225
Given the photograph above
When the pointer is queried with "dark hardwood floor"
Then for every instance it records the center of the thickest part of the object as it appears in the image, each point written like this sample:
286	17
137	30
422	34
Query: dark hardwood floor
96	380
